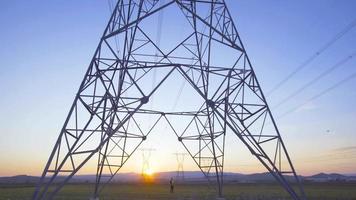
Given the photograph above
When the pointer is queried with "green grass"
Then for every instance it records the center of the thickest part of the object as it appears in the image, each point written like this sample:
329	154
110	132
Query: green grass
315	191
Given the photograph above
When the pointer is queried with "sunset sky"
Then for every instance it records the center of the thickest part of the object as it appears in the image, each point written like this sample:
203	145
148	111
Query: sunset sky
46	46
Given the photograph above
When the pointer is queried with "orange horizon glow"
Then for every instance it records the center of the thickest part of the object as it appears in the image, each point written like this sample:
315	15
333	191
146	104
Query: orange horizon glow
304	171
327	162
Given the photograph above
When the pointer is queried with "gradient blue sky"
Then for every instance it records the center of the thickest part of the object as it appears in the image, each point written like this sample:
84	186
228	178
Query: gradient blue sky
46	46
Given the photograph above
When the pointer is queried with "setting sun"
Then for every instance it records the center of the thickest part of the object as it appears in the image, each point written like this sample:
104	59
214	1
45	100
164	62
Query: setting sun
148	176
148	172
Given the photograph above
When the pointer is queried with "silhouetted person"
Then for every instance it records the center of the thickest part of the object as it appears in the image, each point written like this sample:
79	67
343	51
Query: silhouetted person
171	183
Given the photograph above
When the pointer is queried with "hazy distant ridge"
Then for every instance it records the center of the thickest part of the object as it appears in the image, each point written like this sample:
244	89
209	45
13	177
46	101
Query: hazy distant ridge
190	176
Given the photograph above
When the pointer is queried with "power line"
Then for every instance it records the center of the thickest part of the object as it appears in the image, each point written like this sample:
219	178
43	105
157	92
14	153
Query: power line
158	39
316	79
111	10
158	44
312	57
322	93
183	83
178	95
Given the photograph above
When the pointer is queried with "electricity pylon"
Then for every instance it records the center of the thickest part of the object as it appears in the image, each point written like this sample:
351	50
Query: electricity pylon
180	165
111	105
146	155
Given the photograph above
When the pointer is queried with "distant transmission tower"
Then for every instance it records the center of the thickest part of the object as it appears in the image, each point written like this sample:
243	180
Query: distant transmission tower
180	168
146	155
104	126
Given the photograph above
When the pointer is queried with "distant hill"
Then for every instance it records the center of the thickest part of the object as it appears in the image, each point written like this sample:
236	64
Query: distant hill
350	174
331	176
24	179
323	177
19	179
190	176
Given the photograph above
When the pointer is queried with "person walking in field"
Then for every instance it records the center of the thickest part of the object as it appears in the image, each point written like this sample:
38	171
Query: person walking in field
171	183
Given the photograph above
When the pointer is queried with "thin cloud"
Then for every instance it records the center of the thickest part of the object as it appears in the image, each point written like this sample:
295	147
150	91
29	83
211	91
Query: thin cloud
346	149
307	107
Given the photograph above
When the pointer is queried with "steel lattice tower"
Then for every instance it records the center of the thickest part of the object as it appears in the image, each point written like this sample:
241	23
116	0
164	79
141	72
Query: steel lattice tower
113	97
146	155
180	166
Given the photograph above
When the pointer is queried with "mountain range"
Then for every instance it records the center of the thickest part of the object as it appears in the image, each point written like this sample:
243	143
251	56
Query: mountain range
189	176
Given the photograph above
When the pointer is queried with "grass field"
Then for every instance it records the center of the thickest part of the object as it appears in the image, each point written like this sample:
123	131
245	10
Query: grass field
315	191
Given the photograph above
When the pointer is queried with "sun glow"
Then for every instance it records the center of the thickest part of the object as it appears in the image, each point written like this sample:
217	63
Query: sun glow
148	176
148	172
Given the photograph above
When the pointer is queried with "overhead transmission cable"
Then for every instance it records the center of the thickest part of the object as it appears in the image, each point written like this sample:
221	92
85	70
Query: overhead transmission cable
111	9
312	57
316	79
158	44
184	81
322	93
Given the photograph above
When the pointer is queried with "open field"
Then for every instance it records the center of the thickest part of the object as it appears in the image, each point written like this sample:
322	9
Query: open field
240	191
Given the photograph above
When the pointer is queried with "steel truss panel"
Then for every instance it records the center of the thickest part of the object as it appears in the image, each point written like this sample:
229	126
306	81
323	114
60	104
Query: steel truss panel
113	97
